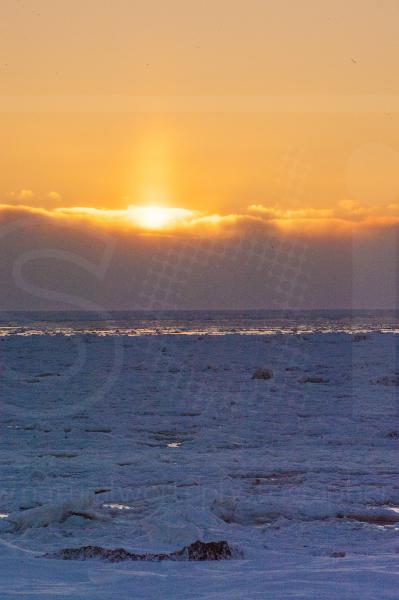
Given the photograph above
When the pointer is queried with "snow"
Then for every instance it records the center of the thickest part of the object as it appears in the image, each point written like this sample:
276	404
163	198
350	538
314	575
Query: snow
150	442
48	514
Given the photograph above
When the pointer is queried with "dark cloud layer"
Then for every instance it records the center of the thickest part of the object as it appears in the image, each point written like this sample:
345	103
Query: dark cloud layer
51	264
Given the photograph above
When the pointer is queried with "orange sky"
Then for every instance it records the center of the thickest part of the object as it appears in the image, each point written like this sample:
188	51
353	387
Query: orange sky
212	107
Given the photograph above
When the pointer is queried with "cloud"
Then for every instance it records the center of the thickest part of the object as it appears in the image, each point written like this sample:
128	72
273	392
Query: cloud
147	218
138	219
54	196
75	258
348	218
24	195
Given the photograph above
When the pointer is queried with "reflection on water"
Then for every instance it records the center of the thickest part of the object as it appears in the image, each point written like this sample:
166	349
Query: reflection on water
252	322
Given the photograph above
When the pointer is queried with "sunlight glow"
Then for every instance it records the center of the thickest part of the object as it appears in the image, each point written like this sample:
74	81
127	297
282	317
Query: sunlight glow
157	217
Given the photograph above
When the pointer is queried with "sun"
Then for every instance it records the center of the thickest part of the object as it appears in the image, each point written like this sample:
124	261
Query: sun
157	217
152	217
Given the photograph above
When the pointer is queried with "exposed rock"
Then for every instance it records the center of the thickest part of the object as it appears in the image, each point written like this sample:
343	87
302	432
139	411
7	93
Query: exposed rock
102	490
387	380
392	435
207	551
263	374
48	375
196	551
314	380
360	337
98	430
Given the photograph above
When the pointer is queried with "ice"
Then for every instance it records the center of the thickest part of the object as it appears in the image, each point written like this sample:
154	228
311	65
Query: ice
150	442
49	514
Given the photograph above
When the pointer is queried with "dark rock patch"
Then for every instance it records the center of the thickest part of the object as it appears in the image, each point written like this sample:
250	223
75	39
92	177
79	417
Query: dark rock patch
360	337
48	375
314	380
196	551
98	430
263	374
392	380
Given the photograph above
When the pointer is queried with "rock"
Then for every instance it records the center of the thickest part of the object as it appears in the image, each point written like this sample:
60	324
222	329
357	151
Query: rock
102	490
98	430
360	337
263	374
338	554
206	551
48	375
196	551
88	552
314	380
387	380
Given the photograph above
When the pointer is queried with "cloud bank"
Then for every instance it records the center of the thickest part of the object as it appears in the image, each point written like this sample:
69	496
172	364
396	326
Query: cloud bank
348	218
84	258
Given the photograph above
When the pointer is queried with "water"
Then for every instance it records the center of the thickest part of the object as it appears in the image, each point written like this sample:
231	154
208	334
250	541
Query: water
251	322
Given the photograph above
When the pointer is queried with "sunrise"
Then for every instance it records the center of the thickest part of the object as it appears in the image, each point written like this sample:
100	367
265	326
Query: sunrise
199	216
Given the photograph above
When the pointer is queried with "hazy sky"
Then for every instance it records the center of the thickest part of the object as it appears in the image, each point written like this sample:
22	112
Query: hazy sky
253	118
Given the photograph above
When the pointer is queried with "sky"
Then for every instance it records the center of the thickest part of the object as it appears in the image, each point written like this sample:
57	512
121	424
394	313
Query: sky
211	133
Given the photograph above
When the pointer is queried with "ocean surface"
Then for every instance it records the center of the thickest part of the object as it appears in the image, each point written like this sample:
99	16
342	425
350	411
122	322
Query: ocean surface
256	322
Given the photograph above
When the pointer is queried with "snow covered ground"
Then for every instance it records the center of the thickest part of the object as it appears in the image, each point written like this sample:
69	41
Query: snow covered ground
151	442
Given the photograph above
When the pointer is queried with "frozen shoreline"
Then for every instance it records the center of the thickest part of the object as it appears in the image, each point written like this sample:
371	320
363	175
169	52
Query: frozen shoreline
167	439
